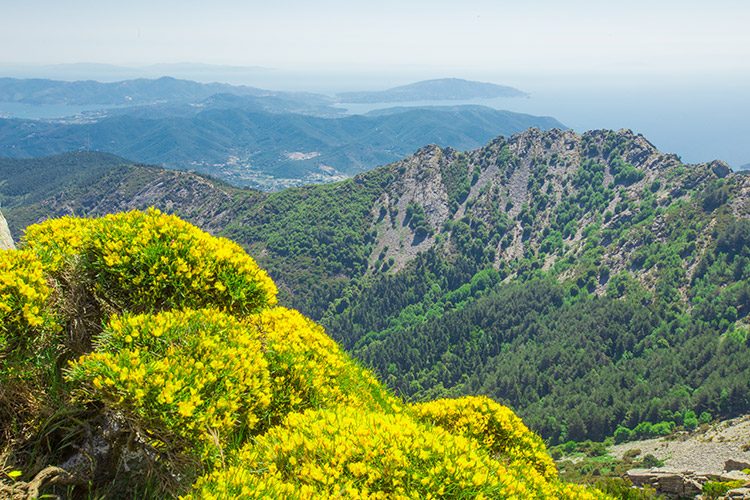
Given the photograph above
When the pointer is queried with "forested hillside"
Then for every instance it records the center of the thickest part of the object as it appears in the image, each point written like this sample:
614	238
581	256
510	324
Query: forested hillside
29	180
89	182
588	281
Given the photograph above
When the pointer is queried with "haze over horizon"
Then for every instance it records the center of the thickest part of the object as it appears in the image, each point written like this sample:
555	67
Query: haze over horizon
642	65
638	37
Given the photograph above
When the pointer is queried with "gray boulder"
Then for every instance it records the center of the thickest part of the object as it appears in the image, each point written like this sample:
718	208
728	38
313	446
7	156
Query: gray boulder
675	483
6	240
731	464
738	494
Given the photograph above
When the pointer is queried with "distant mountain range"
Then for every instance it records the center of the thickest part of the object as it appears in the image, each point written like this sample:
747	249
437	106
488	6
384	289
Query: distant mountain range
247	146
172	90
111	73
249	136
40	91
167	96
142	91
444	89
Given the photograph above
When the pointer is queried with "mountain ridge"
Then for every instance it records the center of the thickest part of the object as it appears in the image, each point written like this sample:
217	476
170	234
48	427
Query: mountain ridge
421	173
125	92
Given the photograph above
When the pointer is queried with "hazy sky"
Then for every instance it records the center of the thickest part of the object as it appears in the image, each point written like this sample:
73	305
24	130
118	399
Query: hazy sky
656	37
676	70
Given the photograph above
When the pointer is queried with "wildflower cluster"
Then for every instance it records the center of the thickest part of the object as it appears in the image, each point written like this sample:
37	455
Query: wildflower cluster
347	453
56	241
205	375
199	374
310	370
148	260
494	426
23	296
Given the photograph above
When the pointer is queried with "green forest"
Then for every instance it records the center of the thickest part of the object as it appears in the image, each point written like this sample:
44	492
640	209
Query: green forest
576	364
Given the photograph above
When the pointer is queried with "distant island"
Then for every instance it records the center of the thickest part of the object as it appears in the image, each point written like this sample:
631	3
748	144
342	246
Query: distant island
443	89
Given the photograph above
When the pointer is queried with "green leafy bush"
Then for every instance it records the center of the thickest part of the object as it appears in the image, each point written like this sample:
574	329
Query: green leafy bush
716	489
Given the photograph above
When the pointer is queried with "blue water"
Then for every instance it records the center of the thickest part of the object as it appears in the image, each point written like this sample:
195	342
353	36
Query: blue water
43	111
696	124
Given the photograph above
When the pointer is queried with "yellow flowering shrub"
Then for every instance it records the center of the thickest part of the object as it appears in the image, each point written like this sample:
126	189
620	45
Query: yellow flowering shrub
148	260
310	370
199	374
204	375
29	347
493	425
56	241
350	453
23	296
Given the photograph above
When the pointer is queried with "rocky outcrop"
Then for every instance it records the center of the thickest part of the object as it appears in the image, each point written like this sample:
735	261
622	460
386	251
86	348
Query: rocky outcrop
681	483
6	240
738	494
676	483
720	168
732	464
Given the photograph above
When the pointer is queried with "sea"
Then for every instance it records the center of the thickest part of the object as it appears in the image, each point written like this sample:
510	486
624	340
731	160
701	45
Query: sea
695	125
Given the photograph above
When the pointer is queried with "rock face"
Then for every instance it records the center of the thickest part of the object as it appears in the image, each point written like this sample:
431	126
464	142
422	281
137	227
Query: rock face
736	465
684	483
720	168
6	241
738	494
